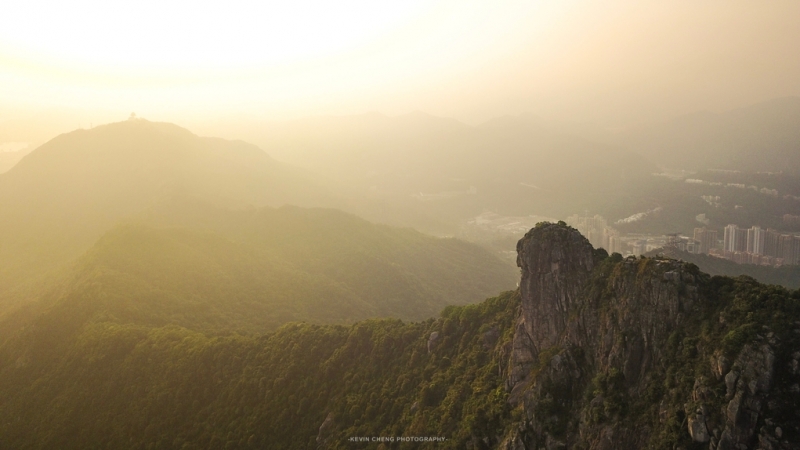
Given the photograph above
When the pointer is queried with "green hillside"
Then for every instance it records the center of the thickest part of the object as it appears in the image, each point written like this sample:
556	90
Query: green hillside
111	385
255	270
126	386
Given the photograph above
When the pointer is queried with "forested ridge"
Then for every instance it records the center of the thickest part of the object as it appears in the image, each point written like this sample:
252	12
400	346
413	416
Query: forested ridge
106	384
198	316
252	271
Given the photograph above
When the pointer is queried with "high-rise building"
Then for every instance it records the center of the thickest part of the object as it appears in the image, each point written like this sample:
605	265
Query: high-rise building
796	250
730	238
771	242
591	227
608	233
616	245
639	247
789	249
741	240
755	240
707	239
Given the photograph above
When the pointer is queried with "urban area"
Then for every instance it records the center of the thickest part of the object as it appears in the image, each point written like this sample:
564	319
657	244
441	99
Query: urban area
754	245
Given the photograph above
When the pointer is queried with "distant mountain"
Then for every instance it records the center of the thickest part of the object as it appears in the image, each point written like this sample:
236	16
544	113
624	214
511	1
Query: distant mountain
8	159
451	171
255	270
61	197
761	137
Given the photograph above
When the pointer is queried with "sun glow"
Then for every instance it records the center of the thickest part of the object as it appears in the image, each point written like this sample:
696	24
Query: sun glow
473	60
200	52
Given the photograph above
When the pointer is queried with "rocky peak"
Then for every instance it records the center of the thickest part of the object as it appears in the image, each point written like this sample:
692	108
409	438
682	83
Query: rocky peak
585	320
556	261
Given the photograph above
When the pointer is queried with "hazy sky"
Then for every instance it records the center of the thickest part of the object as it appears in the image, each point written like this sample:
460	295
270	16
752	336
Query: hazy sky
607	61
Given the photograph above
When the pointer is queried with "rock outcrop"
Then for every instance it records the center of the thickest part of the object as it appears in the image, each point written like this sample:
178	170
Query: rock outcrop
598	337
747	383
555	263
324	432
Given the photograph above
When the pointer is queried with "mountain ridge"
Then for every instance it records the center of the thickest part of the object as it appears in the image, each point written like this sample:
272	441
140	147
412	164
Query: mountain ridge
640	353
251	271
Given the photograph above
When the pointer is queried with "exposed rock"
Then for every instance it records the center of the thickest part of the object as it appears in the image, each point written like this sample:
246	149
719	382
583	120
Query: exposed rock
697	428
433	340
720	365
755	367
794	364
577	324
701	392
490	338
555	261
730	383
624	332
514	441
325	432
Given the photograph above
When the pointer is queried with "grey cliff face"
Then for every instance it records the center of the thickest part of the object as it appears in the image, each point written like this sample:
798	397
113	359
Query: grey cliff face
594	335
556	261
748	383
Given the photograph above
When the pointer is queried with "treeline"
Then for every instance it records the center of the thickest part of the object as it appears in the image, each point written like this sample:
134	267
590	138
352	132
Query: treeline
127	386
86	382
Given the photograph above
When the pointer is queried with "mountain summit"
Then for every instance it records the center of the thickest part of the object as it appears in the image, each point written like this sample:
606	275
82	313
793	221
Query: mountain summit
62	196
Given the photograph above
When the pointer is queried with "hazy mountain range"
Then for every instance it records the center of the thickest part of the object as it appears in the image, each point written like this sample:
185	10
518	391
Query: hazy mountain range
429	173
61	197
762	137
437	173
147	199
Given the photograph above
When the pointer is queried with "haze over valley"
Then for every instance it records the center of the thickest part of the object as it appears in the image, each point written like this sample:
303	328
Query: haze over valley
456	225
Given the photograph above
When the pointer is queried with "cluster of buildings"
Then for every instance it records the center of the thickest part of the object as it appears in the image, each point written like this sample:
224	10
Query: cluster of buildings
596	229
754	245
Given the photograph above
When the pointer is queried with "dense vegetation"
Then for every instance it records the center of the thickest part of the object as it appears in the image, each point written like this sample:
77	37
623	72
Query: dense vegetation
170	331
736	312
105	384
731	313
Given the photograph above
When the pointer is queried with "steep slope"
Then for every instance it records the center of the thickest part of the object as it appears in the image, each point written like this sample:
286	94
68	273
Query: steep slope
9	158
62	196
646	353
592	352
256	270
268	267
